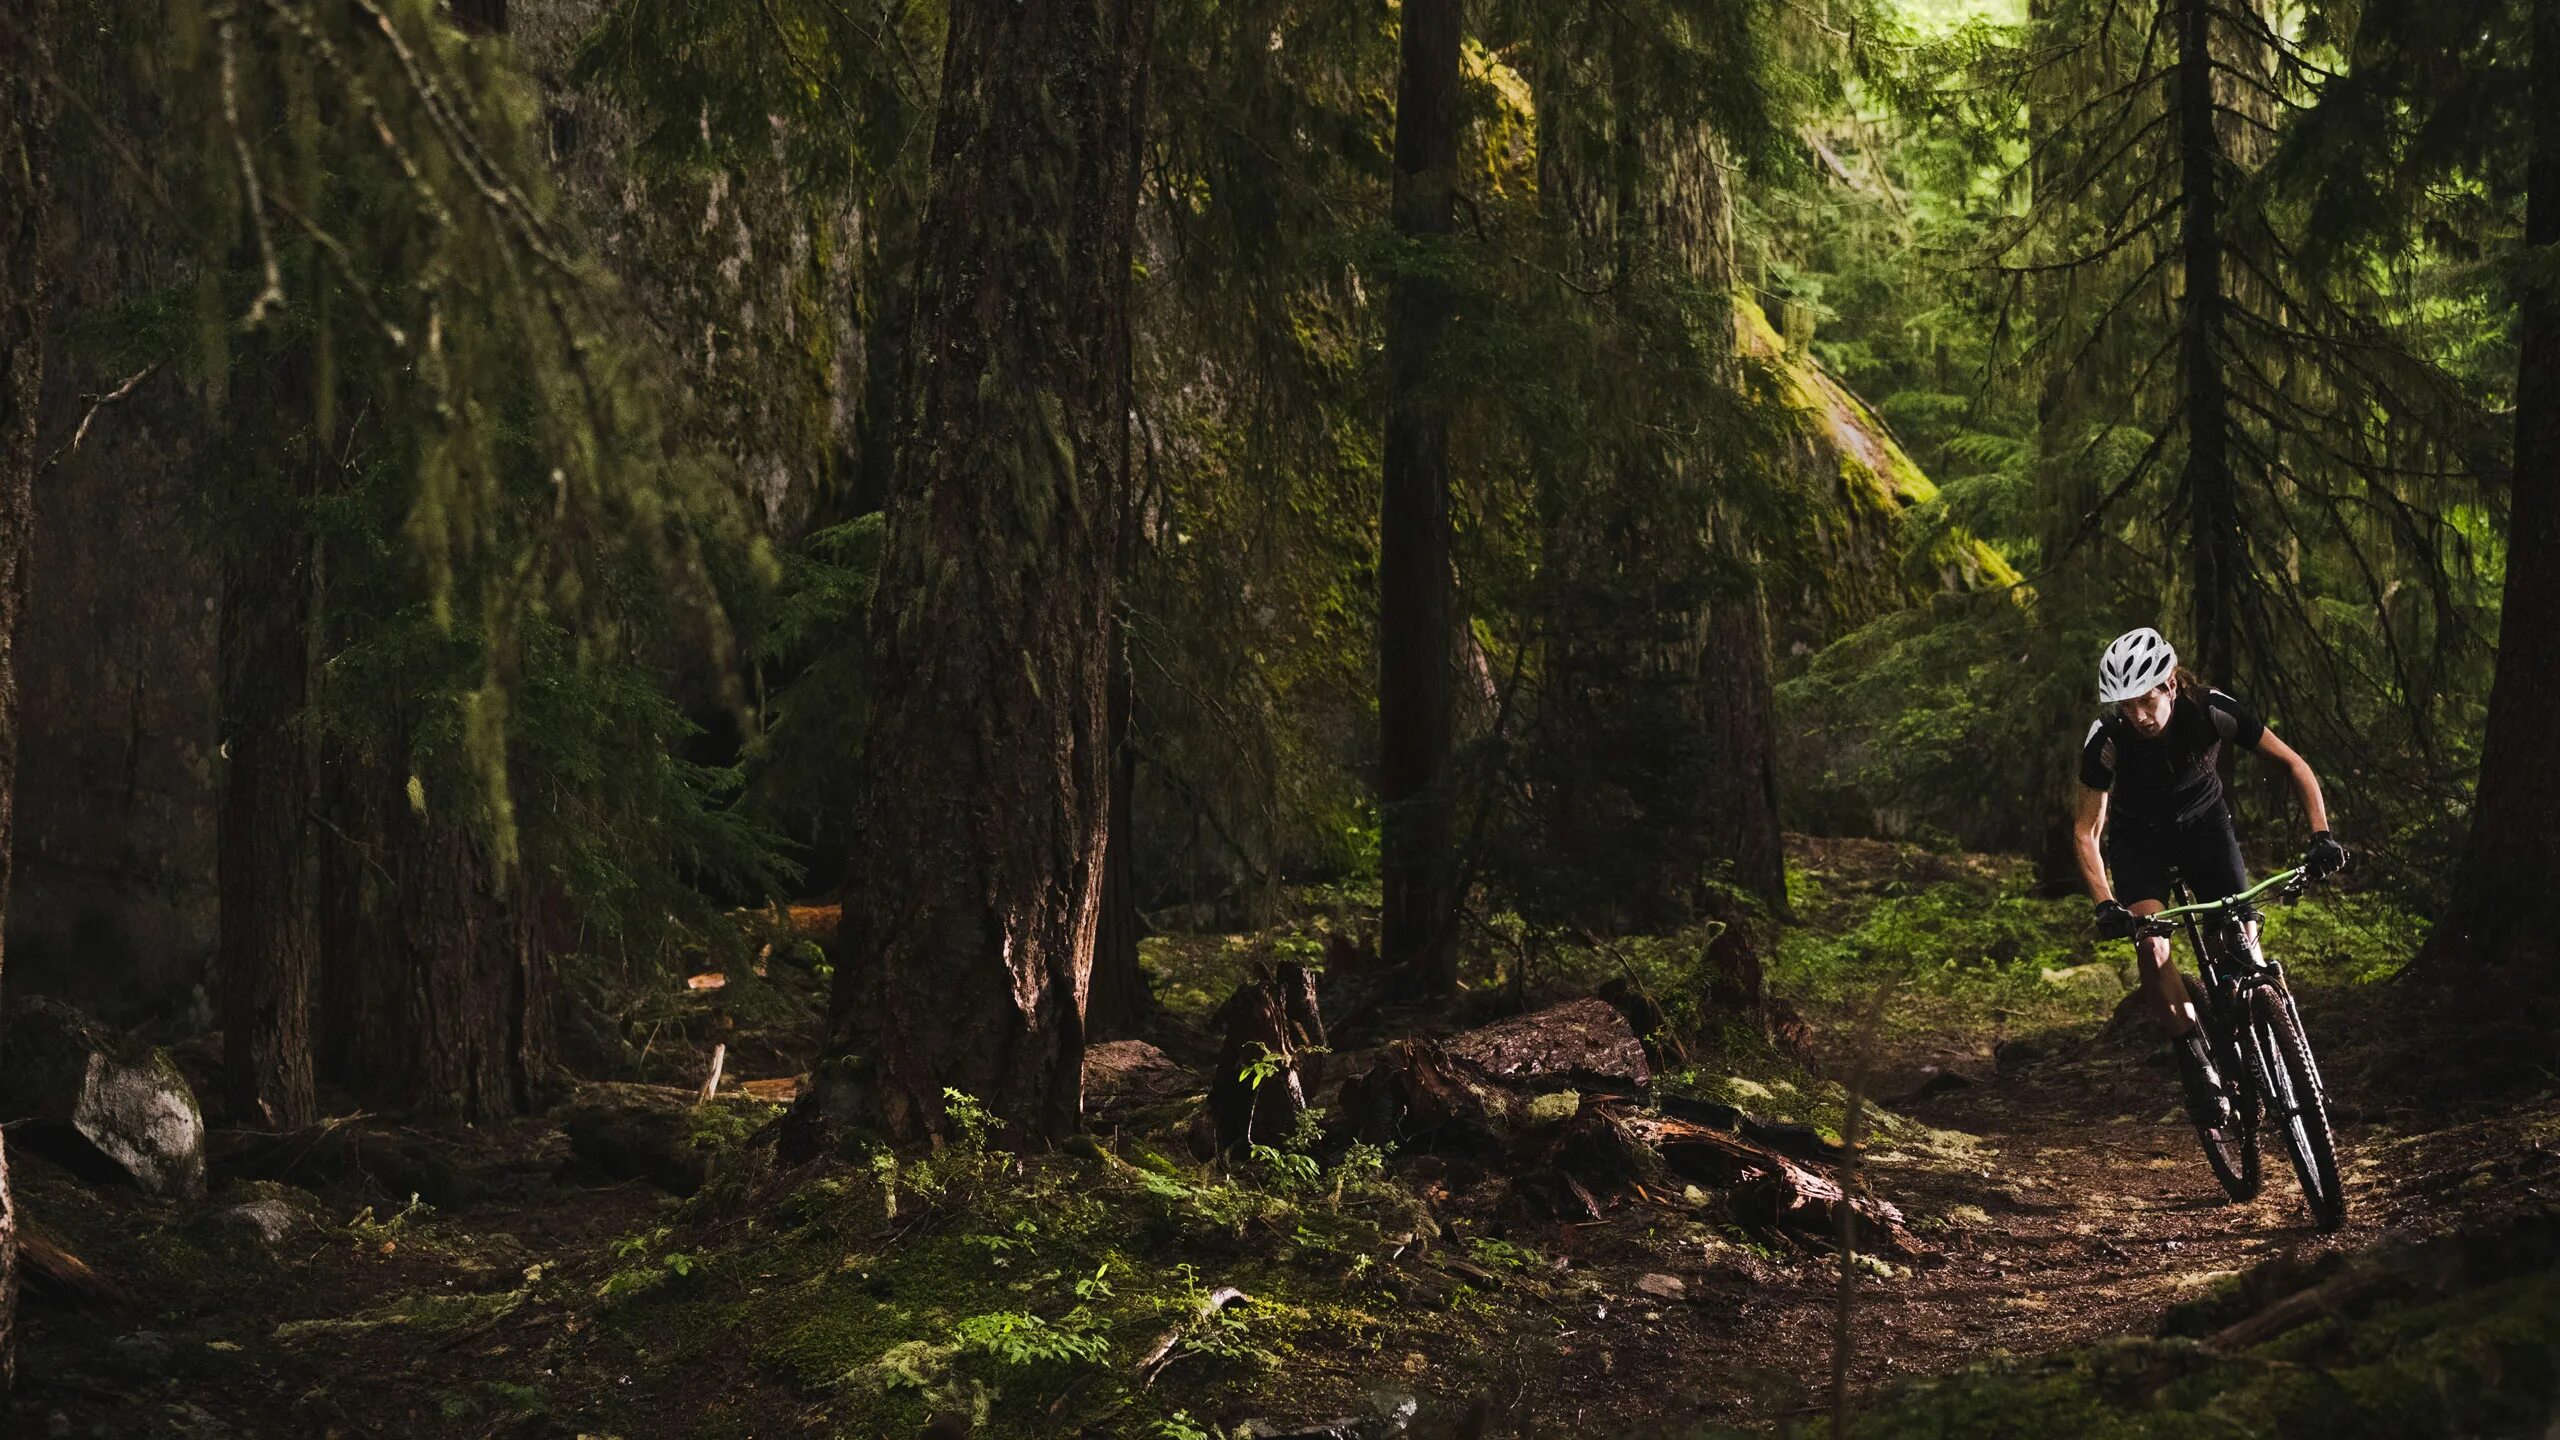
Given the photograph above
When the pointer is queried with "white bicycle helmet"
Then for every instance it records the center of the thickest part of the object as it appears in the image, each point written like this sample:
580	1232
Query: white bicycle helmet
2135	661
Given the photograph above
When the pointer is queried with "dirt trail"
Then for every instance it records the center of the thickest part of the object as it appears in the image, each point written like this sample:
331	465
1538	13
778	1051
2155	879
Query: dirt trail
2064	1201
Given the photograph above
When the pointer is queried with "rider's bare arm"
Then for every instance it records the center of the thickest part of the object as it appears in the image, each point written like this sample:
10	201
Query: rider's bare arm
2087	824
2305	784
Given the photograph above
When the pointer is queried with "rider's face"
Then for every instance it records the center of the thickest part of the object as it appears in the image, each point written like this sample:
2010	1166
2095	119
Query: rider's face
2148	712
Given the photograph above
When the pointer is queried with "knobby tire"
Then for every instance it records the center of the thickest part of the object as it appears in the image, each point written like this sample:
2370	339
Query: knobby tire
2232	1151
2299	1105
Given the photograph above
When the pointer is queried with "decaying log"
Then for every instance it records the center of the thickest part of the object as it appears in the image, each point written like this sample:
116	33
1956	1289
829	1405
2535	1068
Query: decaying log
1124	1078
2329	1297
347	1152
1468	1094
1418	1095
1472	1098
1768	1191
1586	1044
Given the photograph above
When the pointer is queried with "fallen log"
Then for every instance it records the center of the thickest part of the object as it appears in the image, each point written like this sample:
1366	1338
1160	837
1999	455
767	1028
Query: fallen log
1583	1044
2329	1297
1421	1097
1767	1190
53	1271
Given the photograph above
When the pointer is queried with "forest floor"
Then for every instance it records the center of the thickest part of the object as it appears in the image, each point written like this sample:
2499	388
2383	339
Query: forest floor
546	1282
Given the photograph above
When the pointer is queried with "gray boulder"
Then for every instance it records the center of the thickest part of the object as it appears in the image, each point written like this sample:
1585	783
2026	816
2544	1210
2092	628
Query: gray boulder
92	1095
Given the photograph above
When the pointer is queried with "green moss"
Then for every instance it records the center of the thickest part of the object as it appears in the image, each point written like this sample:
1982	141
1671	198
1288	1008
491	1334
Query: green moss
1002	1283
2478	1363
425	1314
1959	945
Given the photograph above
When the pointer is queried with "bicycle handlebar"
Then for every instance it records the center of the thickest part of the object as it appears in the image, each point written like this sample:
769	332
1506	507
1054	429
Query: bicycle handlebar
2228	902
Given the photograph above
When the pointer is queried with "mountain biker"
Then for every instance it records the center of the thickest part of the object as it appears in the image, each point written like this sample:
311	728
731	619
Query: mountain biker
2149	781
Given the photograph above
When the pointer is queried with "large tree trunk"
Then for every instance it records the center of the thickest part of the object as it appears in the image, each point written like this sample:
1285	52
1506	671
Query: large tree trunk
26	212
267	468
1414	582
436	998
2213	507
975	887
269	942
2504	919
1657	680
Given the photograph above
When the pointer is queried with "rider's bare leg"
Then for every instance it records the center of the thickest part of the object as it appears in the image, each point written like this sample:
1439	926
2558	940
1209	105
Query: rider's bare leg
2171	1006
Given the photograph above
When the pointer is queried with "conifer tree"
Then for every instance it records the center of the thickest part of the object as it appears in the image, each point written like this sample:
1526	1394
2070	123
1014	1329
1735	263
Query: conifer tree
2257	449
443	468
2503	918
975	887
1654	692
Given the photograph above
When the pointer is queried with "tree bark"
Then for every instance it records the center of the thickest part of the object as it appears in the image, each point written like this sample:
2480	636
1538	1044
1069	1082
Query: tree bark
2213	507
263	871
975	885
2504	919
1118	1004
26	292
1414	583
436	998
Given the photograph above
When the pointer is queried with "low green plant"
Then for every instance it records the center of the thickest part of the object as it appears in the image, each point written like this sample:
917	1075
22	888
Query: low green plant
647	1273
373	1234
1180	1426
1017	1337
970	1119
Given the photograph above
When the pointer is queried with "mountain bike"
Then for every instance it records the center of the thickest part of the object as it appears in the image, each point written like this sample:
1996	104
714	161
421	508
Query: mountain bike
2255	1034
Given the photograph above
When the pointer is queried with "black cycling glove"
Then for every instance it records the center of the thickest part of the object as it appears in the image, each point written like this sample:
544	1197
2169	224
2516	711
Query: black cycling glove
2327	856
2114	921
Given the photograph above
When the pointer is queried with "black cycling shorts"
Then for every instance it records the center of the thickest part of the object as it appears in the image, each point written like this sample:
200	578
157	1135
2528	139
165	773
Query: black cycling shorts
2205	852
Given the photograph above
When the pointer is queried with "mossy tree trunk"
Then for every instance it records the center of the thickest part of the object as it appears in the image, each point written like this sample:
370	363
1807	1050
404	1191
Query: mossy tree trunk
1415	636
974	892
26	258
2503	924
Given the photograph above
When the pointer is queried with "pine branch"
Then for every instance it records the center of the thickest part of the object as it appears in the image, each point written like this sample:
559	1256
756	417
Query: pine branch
2123	239
271	293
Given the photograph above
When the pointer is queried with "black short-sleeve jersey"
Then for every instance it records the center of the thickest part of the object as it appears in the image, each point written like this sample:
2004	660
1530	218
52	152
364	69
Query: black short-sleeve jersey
2171	778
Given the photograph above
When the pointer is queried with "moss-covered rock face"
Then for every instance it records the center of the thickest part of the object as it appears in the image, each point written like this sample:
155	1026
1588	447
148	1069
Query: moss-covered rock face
1857	484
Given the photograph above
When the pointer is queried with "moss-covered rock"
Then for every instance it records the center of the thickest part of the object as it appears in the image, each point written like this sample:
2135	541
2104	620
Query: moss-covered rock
1857	484
101	1099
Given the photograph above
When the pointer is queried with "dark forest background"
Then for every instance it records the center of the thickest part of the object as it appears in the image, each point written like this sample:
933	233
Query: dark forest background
497	495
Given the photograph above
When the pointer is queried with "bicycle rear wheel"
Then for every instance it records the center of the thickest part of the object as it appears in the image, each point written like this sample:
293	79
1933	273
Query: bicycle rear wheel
2298	1106
2232	1150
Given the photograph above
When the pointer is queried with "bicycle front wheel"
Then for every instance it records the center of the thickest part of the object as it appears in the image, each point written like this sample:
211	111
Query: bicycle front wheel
2297	1105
